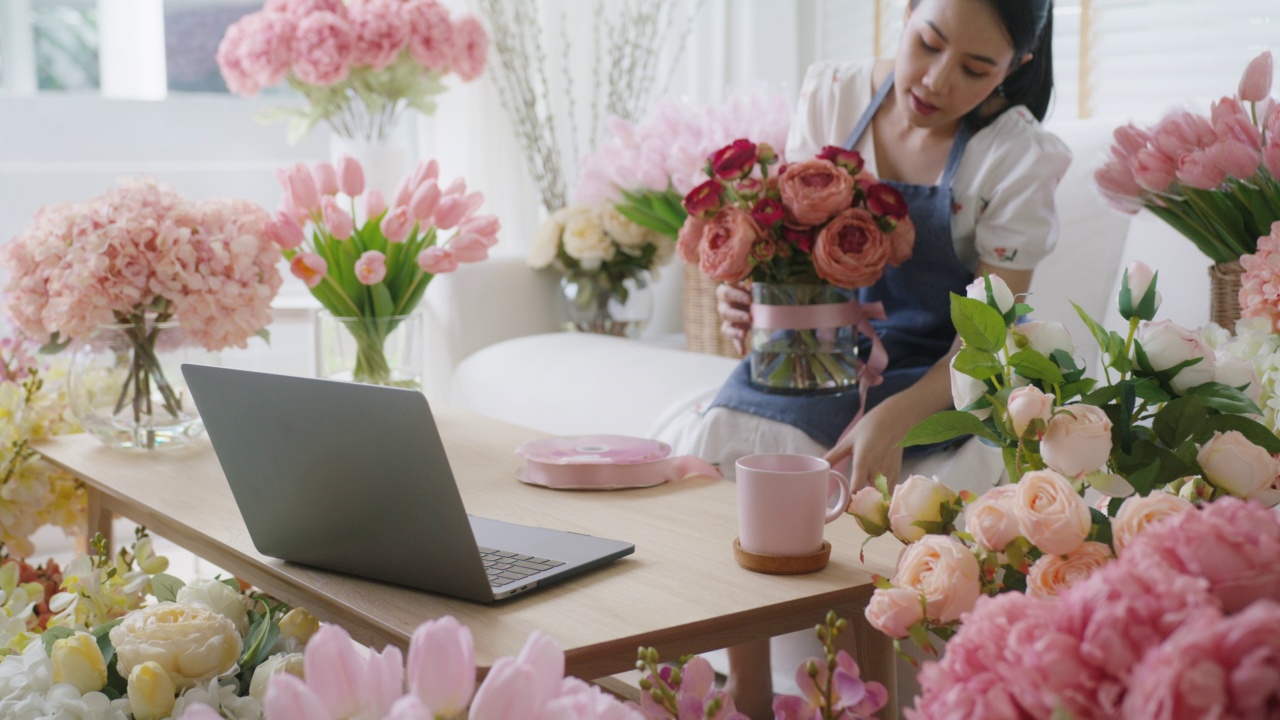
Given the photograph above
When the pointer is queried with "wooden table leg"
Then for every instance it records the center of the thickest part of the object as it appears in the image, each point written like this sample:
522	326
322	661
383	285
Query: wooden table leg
99	520
876	658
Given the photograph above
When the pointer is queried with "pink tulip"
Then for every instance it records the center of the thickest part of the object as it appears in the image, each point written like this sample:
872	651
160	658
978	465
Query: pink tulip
371	268
442	668
546	658
309	268
301	188
486	226
474	201
1153	170
451	210
410	707
1197	170
437	260
1234	158
285	231
336	219
424	173
350	683
404	191
457	187
397	224
1255	84
350	176
1231	121
326	178
288	209
374	204
468	248
289	698
424	201
1182	132
1129	140
1271	158
509	691
1121	191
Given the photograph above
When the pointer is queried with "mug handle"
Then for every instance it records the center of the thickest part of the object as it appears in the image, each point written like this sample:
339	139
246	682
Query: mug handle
841	482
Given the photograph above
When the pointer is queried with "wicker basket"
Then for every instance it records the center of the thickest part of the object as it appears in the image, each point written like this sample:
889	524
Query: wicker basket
1224	294
701	320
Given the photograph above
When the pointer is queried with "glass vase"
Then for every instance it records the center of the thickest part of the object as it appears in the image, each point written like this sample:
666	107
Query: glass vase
372	350
125	385
803	360
596	304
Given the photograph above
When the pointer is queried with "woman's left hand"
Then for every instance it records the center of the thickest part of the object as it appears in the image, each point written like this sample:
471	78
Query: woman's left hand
873	443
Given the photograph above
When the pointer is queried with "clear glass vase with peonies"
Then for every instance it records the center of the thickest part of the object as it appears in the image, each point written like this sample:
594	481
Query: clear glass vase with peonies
807	238
369	262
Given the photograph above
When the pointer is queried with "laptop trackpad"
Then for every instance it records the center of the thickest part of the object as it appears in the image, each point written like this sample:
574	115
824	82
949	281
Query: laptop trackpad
508	536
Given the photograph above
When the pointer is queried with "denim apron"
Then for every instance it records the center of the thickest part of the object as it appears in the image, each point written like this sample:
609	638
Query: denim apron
916	297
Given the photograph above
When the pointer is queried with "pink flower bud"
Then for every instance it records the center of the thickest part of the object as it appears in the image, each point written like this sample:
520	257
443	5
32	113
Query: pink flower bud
326	178
1026	405
468	248
350	176
425	172
457	187
302	188
397	224
309	268
450	212
337	220
1255	84
437	260
374	204
285	232
474	201
441	668
404	192
371	268
424	201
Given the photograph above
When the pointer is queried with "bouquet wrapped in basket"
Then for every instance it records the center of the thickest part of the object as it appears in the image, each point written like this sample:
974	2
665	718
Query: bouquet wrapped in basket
807	238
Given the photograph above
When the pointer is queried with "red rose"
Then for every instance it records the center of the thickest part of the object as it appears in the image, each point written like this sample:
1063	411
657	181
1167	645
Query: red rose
851	251
801	238
689	241
767	212
885	200
734	161
902	241
814	190
727	242
704	200
850	160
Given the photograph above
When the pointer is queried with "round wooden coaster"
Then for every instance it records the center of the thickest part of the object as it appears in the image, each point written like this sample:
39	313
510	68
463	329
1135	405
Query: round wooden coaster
782	564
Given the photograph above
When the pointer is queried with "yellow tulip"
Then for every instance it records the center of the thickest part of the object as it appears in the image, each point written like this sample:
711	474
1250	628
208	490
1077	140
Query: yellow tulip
151	692
299	624
78	662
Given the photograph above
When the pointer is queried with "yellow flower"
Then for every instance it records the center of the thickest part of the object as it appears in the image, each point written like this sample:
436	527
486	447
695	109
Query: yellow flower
151	692
190	642
78	662
298	624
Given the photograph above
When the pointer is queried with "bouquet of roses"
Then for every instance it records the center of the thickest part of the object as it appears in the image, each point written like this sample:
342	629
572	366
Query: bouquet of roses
358	66
374	273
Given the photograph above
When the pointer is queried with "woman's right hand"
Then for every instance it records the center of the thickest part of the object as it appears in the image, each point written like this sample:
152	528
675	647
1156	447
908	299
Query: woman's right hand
733	302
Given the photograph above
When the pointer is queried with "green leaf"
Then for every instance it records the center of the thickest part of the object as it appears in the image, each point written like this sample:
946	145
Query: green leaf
1099	333
979	324
946	425
105	646
978	363
1034	366
54	634
1101	530
165	587
56	344
1225	398
1102	396
1021	310
265	334
1179	420
259	641
1254	432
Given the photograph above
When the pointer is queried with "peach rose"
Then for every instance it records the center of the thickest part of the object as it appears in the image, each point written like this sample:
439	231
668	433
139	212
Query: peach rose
870	510
1026	405
902	241
689	241
944	571
918	499
1137	513
1236	465
851	251
726	245
991	520
893	611
1050	513
1052	574
1077	440
815	190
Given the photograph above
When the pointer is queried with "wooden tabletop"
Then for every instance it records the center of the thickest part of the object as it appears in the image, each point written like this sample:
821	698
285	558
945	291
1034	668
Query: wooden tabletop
681	591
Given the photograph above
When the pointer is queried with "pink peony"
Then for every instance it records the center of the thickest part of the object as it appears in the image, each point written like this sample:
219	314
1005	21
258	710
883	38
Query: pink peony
726	245
322	49
379	34
371	268
299	9
851	251
815	190
431	34
470	48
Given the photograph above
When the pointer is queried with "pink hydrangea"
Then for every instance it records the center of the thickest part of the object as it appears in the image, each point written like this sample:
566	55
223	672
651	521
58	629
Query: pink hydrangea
300	9
380	34
470	48
1260	284
322	49
431	35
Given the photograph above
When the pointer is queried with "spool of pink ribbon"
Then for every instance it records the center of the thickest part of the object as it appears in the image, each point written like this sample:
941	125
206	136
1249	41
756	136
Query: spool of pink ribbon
605	462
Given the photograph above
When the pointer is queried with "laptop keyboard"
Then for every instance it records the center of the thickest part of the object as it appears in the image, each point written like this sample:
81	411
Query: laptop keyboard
504	567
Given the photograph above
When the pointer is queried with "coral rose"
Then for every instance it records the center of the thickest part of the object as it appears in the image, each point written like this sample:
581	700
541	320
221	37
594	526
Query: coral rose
851	251
815	190
1051	514
893	611
689	242
991	520
1077	440
917	499
1052	574
902	241
944	571
1137	513
726	245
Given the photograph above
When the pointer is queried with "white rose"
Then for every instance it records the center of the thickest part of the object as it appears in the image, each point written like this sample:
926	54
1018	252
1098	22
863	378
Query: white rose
283	663
1236	465
1231	370
192	643
999	290
585	240
1140	277
1168	345
626	233
966	390
918	499
546	241
217	596
1044	337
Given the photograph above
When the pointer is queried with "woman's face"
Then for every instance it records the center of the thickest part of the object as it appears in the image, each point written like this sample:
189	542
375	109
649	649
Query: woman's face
952	56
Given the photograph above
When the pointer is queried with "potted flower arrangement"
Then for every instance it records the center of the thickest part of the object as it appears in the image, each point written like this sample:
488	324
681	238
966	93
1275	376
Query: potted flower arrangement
142	279
369	275
806	238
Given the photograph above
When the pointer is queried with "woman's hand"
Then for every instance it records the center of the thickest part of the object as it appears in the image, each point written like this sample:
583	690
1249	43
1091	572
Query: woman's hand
733	302
874	447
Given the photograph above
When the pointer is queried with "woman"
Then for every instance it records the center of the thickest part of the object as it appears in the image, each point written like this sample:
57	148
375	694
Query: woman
953	122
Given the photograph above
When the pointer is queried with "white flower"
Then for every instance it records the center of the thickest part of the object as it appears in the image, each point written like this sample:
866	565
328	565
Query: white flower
977	290
193	644
1255	341
217	596
546	242
631	238
222	698
585	240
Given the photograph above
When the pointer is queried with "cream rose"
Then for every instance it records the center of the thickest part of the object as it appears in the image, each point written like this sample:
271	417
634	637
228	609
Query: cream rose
626	233
1052	574
918	499
1236	465
283	663
944	571
870	510
1137	513
1167	345
1026	405
1045	337
966	390
546	241
977	290
218	597
1077	440
1235	372
78	662
1050	513
585	240
991	520
191	643
893	611
152	693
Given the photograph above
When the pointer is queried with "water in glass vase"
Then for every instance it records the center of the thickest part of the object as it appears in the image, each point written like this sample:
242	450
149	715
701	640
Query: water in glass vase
595	303
373	350
814	350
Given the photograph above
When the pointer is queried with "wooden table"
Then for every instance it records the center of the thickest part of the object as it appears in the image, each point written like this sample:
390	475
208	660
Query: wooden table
681	591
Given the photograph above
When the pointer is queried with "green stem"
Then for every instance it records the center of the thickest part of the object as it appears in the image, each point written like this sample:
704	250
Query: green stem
1128	343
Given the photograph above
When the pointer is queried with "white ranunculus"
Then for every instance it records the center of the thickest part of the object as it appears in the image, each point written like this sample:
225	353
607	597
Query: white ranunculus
586	241
966	390
192	643
219	597
1168	345
999	290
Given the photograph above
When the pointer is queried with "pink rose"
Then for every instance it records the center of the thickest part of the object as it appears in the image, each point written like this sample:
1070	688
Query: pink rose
991	519
944	571
1026	405
851	251
1255	84
850	160
917	499
689	240
350	176
337	220
1051	514
1234	464
309	268
767	212
815	190
371	268
1052	574
902	241
326	177
437	260
734	161
1137	513
470	48
704	200
869	508
893	611
397	224
379	35
1077	440
885	200
322	49
431	35
726	245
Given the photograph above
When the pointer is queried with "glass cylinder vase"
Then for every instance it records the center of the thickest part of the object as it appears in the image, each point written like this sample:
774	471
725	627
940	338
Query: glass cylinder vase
594	303
125	385
808	346
373	350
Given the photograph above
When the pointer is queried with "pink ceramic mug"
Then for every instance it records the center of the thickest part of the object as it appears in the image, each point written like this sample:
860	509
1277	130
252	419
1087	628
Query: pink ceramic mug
783	502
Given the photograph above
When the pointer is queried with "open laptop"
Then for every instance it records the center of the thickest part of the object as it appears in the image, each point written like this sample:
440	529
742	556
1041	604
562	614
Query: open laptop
354	478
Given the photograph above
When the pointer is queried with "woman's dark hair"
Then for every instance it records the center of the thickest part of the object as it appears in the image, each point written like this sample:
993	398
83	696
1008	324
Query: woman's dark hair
1030	26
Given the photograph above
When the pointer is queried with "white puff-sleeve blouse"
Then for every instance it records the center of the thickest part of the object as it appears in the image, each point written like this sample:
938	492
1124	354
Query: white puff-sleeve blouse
1003	210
